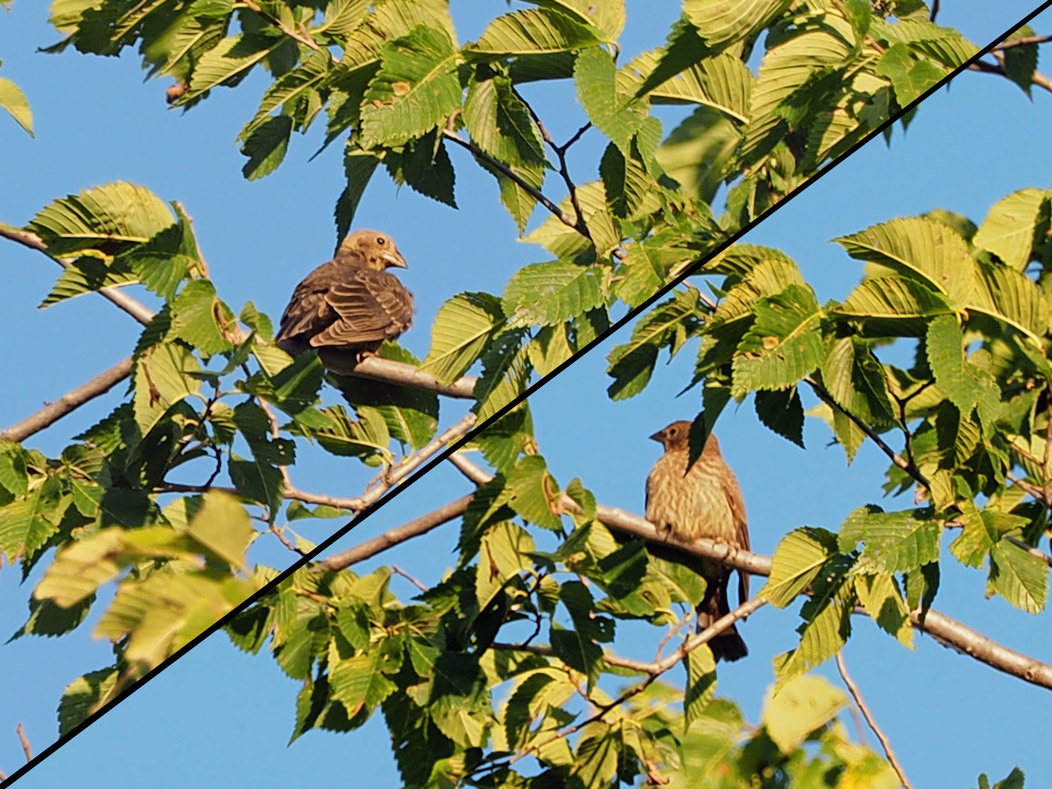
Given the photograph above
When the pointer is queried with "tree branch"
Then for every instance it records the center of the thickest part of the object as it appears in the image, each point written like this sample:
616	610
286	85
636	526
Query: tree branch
389	539
1037	78
390	371
945	630
306	40
71	400
884	742
133	307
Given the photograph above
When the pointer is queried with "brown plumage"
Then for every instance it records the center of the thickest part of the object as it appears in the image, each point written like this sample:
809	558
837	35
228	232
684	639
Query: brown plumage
351	302
704	501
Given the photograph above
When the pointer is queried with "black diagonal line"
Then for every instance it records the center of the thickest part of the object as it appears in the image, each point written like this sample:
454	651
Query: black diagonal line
632	314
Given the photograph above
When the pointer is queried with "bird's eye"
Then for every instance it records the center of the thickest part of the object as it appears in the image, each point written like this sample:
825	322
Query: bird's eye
381	240
672	432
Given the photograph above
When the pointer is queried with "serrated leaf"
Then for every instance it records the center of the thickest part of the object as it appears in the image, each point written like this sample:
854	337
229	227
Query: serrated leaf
539	31
462	329
415	90
614	113
782	411
796	563
910	77
266	146
894	541
1018	576
784	343
531	491
196	313
549	294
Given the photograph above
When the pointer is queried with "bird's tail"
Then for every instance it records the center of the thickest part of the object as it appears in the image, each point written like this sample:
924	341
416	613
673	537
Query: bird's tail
728	645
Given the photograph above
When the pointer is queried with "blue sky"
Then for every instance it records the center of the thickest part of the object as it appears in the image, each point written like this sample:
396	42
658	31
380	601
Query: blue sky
222	718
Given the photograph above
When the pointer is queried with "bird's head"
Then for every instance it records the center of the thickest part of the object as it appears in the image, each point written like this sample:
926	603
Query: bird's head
677	436
377	250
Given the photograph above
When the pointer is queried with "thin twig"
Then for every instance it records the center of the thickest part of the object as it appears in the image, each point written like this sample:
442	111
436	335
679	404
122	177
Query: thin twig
70	401
399	571
1025	41
884	742
532	191
1037	78
280	534
25	742
396	536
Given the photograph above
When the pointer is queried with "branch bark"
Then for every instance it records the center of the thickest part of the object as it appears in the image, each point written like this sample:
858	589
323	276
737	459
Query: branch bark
389	539
71	400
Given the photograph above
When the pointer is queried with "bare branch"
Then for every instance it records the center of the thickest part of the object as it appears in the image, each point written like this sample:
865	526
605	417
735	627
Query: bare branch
25	742
414	581
884	742
133	307
71	400
389	539
1025	41
1037	78
947	631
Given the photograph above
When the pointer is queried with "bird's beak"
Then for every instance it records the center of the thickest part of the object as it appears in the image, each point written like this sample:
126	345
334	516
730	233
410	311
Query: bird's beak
659	436
394	260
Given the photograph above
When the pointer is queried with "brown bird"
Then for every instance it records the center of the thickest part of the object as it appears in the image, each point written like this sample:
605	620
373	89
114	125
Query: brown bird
351	302
704	501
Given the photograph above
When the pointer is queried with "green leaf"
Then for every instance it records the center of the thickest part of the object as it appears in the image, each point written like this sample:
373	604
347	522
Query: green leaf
549	294
229	62
163	376
632	364
797	561
895	542
782	411
411	413
802	706
462	328
506	370
539	31
223	527
720	23
503	555
701	683
499	122
1018	576
614	113
922	249
83	697
265	147
288	87
876	301
1021	62
415	90
965	384
360	682
880	596
107	218
909	77
531	491
783	345
196	313
13	100
1014	225
1012	298
424	165
359	167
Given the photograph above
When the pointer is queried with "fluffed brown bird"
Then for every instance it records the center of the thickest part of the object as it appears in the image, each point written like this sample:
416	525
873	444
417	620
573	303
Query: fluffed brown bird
704	501
351	302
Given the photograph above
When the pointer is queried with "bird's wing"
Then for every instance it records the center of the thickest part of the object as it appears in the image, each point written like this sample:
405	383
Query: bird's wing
308	312
371	306
736	502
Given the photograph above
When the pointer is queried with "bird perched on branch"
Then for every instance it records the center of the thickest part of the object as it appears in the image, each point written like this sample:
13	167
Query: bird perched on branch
702	501
350	303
